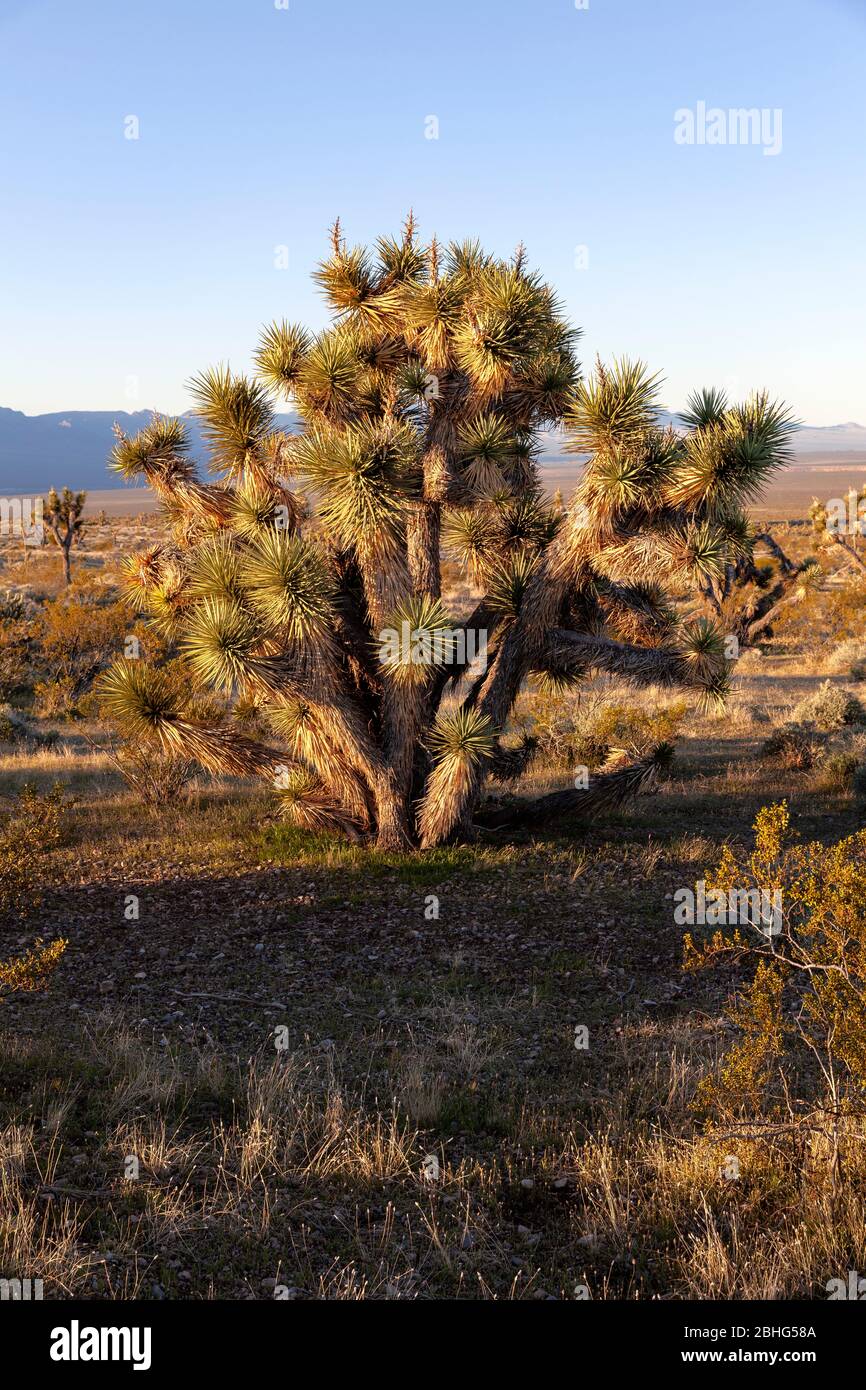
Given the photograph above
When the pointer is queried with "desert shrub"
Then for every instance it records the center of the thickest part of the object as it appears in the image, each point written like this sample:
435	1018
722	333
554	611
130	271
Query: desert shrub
31	972
835	771
791	747
837	759
587	733
12	724
31	830
752	659
841	615
55	698
80	633
14	664
848	659
800	1049
833	755
16	727
18	630
552	720
829	707
155	776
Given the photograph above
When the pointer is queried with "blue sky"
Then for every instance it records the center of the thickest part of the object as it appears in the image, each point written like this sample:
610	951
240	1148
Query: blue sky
127	265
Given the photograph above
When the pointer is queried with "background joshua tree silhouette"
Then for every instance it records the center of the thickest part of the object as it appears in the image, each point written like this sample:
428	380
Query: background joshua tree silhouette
63	518
831	530
421	411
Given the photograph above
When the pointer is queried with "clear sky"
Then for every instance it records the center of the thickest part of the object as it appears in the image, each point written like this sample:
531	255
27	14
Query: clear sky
127	265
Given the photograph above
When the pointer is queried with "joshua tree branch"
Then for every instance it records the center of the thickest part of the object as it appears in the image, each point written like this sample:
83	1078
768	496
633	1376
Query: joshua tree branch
640	665
849	551
607	791
787	566
759	625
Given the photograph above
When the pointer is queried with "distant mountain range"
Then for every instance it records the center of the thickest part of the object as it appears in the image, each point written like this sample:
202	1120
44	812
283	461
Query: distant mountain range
71	448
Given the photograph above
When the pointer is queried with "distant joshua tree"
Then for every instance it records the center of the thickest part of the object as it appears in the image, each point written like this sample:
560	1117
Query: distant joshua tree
744	598
320	602
62	516
841	522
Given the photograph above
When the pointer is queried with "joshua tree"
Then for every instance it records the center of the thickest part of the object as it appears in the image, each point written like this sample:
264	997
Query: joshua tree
743	599
420	408
751	601
64	521
831	528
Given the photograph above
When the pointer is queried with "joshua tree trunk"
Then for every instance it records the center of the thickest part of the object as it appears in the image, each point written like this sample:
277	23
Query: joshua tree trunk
423	538
392	820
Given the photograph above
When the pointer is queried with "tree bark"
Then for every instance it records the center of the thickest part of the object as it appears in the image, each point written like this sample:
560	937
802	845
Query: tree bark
423	541
391	818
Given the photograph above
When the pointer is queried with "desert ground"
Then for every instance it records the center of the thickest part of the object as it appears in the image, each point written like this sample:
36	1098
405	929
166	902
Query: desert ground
270	1064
